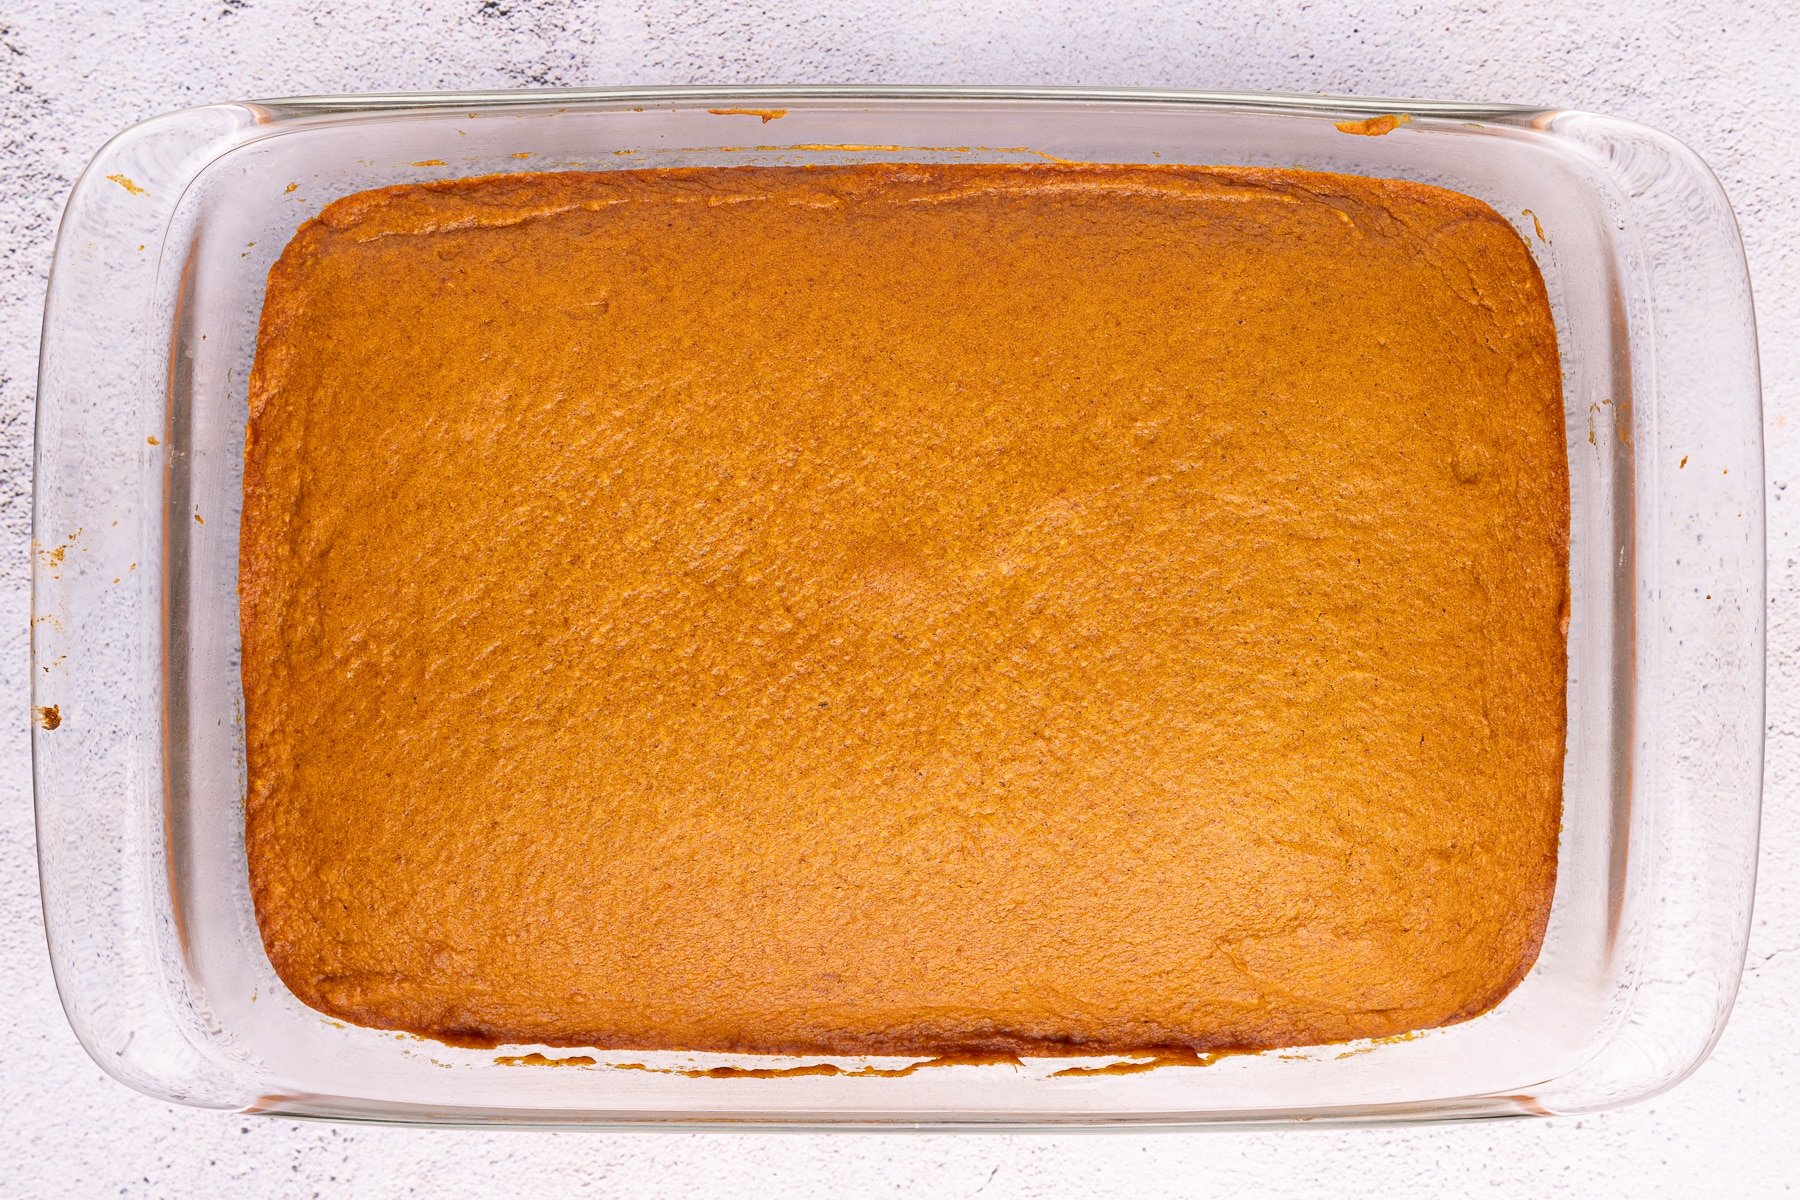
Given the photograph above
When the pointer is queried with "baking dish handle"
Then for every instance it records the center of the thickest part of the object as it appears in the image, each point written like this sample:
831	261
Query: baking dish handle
98	679
1697	658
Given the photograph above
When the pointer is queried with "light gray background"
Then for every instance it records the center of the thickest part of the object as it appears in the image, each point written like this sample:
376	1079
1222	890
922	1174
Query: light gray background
1723	75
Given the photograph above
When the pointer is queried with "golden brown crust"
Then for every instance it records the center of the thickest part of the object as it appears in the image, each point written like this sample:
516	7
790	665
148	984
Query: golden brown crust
913	610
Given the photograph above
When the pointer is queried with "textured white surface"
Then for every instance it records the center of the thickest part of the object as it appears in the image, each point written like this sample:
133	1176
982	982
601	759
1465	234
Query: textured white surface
1720	74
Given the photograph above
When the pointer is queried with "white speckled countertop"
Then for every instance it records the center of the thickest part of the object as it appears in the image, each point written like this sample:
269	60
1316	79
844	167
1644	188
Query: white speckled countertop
1719	74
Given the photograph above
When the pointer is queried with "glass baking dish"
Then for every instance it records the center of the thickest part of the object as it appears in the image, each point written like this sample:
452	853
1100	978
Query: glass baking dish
150	328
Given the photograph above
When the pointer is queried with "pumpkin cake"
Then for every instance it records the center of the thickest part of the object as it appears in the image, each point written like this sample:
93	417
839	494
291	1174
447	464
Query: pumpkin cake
901	609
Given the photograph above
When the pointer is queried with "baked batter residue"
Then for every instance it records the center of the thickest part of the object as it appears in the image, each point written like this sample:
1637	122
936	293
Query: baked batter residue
832	1069
1375	126
534	1059
767	114
1176	1058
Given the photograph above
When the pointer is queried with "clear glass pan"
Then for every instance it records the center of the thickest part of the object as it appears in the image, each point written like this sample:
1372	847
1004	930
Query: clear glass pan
150	328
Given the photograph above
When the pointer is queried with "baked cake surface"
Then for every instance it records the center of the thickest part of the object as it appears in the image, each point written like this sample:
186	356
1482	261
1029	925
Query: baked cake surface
905	609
